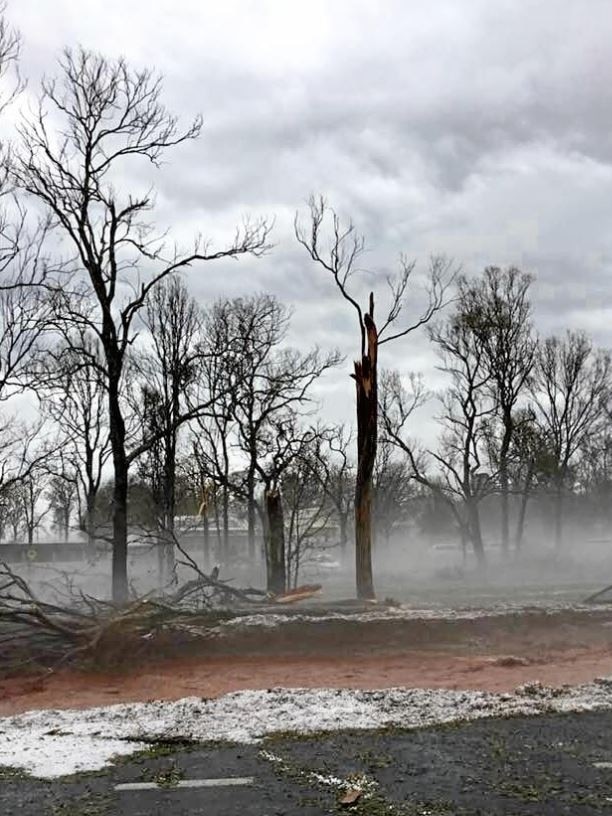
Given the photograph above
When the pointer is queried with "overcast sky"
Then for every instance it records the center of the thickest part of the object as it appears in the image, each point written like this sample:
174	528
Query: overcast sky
482	130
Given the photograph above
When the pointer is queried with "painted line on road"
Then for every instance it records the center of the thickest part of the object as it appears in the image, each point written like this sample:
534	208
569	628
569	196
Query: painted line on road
602	764
187	783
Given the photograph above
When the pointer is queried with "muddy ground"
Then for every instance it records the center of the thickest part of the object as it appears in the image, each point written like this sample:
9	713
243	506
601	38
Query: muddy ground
494	652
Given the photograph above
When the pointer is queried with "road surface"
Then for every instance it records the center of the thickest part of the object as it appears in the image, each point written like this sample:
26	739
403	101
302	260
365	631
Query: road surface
543	766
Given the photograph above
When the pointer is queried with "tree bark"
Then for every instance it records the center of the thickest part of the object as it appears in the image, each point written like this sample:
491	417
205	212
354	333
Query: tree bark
343	520
520	524
225	510
558	518
251	513
167	557
205	543
120	494
367	437
276	562
90	525
504	486
504	508
475	531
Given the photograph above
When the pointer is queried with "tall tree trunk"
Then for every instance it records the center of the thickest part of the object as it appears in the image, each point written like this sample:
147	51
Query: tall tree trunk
276	562
464	539
219	547
504	486
520	524
505	514
251	513
225	511
558	516
167	560
120	494
476	531
205	542
367	436
343	521
90	526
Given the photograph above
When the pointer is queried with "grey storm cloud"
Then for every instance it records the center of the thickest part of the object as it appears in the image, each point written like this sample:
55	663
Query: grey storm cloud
475	129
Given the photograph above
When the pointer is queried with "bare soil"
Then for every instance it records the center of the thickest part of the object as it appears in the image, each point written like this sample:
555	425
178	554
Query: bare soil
490	653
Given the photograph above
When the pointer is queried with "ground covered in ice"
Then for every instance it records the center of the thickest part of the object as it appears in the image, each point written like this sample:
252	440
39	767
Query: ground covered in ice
55	743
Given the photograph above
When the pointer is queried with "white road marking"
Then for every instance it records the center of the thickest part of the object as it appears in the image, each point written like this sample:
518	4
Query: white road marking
187	783
602	764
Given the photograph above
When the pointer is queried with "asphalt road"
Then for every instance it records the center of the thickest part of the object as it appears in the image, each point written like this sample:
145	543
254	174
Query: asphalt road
542	766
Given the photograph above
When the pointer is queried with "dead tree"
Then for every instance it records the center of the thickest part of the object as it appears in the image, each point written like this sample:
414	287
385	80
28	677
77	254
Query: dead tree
339	259
307	509
397	405
237	335
100	116
570	391
70	380
61	498
527	455
169	369
498	311
335	473
256	382
10	48
453	471
33	488
286	444
393	488
25	319
468	406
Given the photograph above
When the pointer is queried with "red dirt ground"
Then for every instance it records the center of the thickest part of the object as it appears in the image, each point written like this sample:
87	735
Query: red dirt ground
495	654
211	677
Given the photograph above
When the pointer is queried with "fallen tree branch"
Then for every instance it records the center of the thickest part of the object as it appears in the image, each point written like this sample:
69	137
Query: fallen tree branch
593	598
40	632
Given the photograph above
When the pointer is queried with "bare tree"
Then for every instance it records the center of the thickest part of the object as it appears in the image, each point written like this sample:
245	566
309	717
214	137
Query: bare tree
335	471
10	48
107	116
33	488
238	337
11	510
25	314
393	488
307	506
72	386
457	477
594	472
339	257
286	444
570	392
527	455
61	497
211	481
468	406
255	382
397	405
169	369
498	311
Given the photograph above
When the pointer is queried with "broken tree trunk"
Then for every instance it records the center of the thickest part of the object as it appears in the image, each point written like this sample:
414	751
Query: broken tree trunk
276	566
365	377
